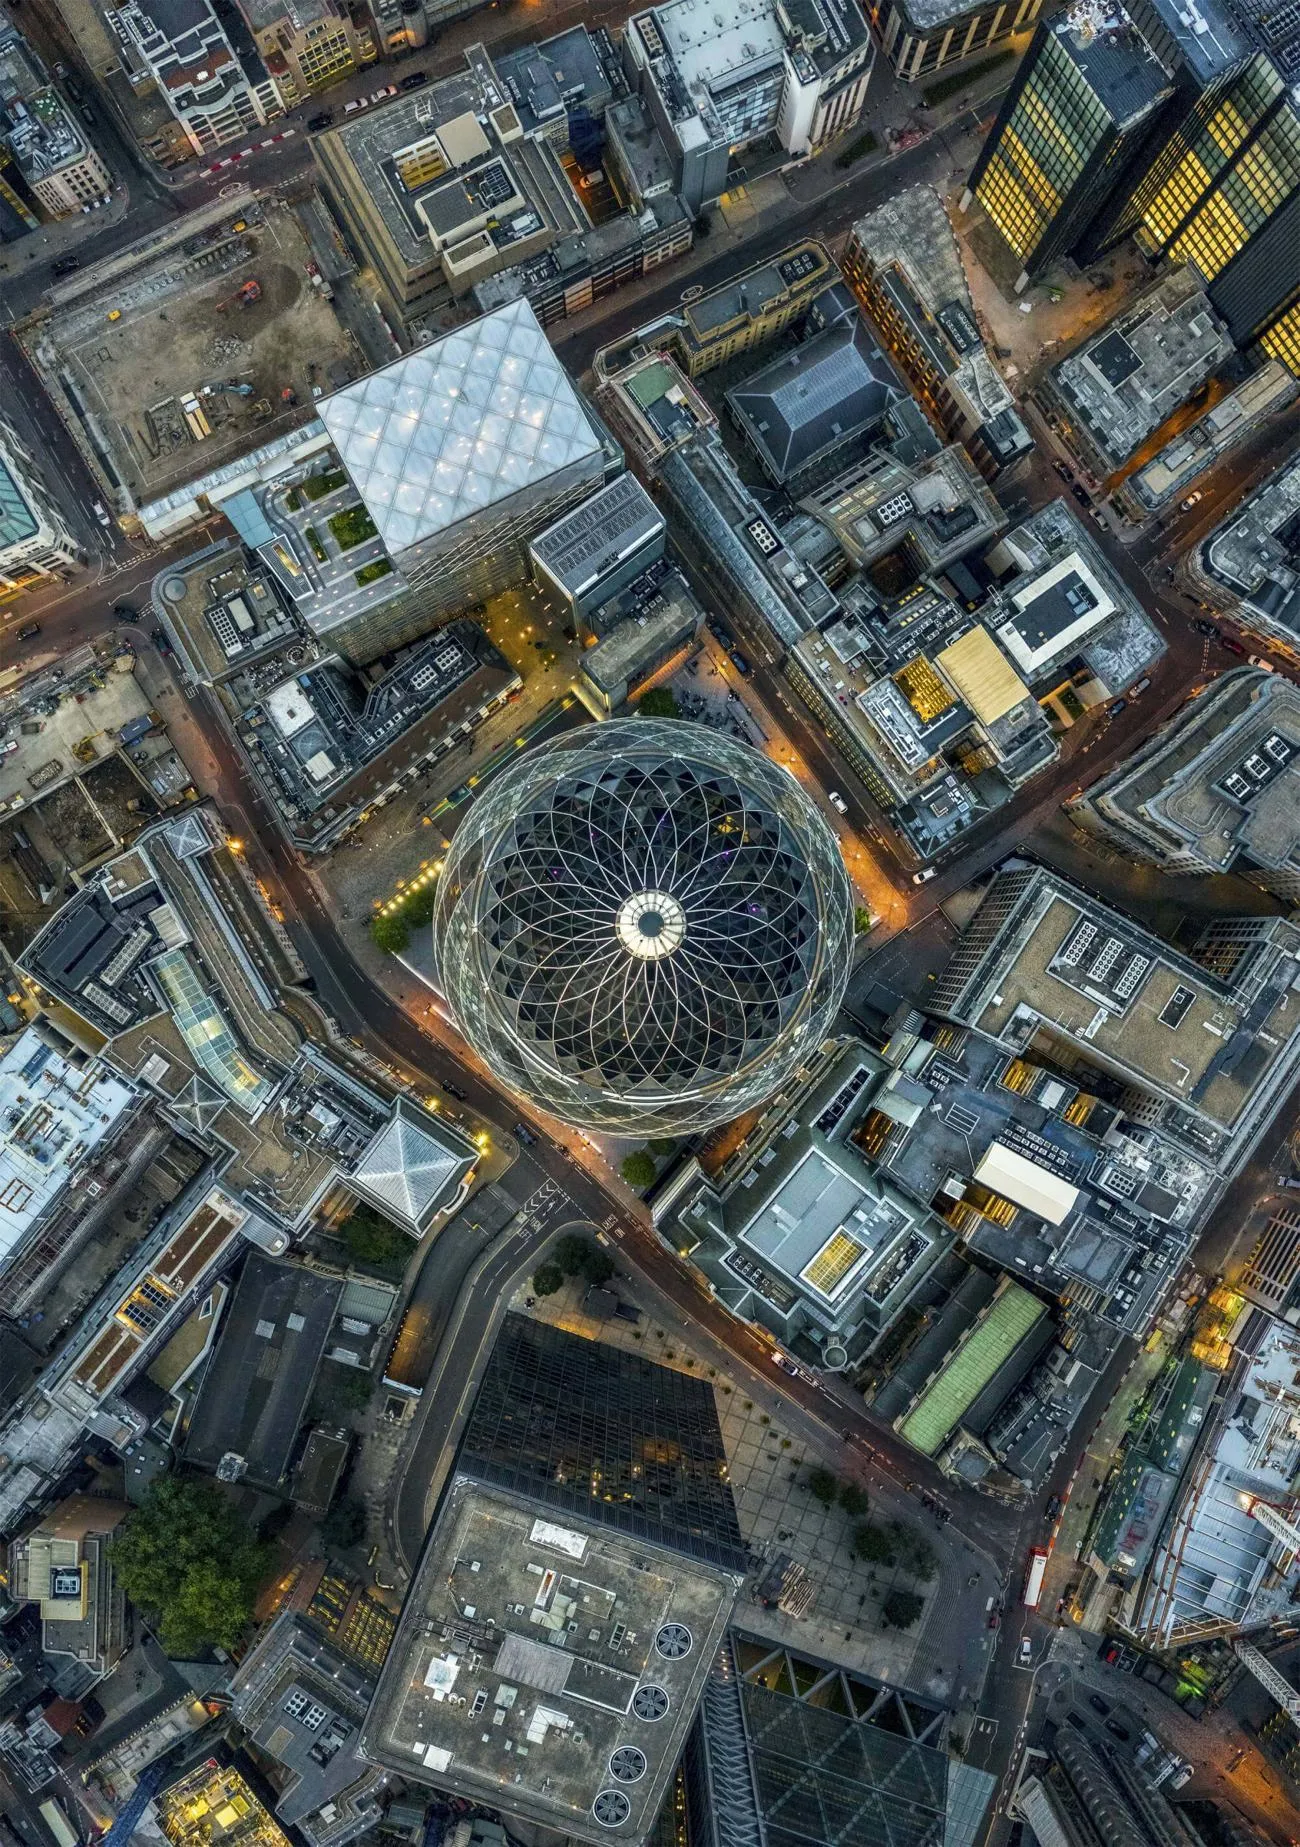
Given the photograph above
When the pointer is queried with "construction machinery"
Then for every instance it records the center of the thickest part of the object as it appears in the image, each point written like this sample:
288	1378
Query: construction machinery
246	294
231	386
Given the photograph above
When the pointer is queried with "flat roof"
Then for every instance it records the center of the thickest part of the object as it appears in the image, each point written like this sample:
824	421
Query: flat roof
1053	611
982	675
1026	1184
458	425
943	1403
547	1665
597	536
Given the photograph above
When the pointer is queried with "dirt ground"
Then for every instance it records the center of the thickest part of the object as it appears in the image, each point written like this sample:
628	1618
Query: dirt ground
172	339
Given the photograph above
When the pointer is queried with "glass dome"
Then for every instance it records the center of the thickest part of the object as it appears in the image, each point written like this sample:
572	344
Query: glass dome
644	927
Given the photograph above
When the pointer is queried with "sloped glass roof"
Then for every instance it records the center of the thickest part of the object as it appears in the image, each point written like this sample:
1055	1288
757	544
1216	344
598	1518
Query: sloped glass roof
457	425
408	1169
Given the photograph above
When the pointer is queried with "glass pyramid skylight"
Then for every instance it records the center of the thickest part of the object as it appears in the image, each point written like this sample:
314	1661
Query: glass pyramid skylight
458	425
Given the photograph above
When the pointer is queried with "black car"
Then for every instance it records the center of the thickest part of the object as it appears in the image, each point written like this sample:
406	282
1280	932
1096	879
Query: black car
1080	494
1098	1704
1063	471
1120	1731
29	629
415	81
322	119
64	266
739	662
525	1135
1203	627
453	1090
1120	705
161	640
125	612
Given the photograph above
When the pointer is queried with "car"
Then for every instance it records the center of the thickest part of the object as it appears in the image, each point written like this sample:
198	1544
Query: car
379	96
1081	495
994	1620
739	662
1203	627
101	514
125	612
1139	686
1052	1508
453	1090
837	801
1063	471
1289	1183
1116	706
414	80
1026	1651
1258	660
1118	1730
524	1134
358	102
161	640
786	1364
64	266
29	629
1231	643
1192	500
1099	1704
923	876
322	119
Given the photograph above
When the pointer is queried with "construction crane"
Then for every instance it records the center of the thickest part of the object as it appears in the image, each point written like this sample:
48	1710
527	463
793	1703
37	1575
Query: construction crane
246	294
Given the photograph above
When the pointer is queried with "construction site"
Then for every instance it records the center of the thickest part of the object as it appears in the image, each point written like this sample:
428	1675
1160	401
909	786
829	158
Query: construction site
174	364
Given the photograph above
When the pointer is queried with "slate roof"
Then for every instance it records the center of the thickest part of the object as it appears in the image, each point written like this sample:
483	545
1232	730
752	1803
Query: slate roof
815	397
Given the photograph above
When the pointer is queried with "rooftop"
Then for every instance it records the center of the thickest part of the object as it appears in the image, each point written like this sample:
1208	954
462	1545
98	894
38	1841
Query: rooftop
1121	68
1203	442
799	273
1255	552
40	128
942	1404
411	1168
638	625
1124	382
458	425
545	81
825	391
55	1116
257	1383
589	543
547	1663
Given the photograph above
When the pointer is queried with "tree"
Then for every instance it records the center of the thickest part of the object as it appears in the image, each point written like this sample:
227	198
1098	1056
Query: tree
186	1556
390	932
371	1239
344	1524
659	702
901	1609
638	1168
853	1499
352	1388
861	920
823	1487
578	1256
916	1554
547	1279
874	1544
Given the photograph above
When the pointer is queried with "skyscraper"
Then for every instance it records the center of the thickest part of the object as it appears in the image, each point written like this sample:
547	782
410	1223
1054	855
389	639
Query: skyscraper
1177	124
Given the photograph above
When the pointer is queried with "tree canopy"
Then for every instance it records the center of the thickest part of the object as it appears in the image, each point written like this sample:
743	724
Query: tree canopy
638	1168
372	1239
547	1278
901	1609
186	1556
659	702
578	1256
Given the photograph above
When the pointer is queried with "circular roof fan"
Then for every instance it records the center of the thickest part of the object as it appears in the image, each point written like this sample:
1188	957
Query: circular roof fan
627	1764
650	1703
611	1808
673	1641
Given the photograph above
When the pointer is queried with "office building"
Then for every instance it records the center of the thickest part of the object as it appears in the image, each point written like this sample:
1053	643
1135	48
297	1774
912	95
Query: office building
581	964
751	309
416	1169
930	513
593	553
331	745
782	1732
1250	563
1117	390
307	47
799	411
36	542
639	637
57	165
300	1702
67	1132
213	1805
1174	471
1137	1496
920	36
1176	125
1199	1047
904	265
64	1564
1214	789
651	406
797	1230
715	80
588	1502
1083	1792
215	87
464	449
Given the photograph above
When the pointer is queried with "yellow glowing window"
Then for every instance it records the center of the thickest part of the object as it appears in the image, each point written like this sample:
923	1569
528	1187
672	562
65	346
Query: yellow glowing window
1282	340
227	1817
924	691
833	1262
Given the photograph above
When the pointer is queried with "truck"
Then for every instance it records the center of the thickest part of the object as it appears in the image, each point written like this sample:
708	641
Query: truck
1034	1577
57	1822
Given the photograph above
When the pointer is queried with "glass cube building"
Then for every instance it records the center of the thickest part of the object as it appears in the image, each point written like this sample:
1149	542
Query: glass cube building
602	1433
464	448
644	927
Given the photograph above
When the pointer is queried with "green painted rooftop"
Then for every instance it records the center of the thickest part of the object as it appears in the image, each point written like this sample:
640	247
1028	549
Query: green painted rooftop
953	1390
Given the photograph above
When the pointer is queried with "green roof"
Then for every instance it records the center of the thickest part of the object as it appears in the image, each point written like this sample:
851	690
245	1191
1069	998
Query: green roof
650	384
955	1387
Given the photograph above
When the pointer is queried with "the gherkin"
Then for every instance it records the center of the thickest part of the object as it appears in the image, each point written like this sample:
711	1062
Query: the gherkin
644	927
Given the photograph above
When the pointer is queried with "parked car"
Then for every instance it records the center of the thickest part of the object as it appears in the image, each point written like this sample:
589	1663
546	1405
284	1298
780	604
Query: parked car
786	1364
994	1620
1139	686
322	119
1080	494
414	80
101	514
161	640
29	629
1099	1704
837	801
924	875
1063	471
1203	627
358	102
378	96
1116	707
1026	1651
1192	500
1231	643
1052	1508
64	266
453	1090
1258	660
739	662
